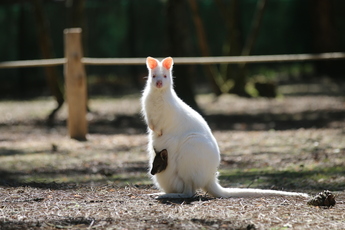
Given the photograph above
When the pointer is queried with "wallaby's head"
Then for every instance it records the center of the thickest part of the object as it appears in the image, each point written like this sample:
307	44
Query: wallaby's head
160	73
160	162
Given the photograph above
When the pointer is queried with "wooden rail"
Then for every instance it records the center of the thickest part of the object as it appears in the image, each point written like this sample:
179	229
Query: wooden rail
220	59
32	63
181	60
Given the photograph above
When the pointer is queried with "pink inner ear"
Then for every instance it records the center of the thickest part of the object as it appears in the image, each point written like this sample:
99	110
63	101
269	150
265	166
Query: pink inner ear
168	62
151	62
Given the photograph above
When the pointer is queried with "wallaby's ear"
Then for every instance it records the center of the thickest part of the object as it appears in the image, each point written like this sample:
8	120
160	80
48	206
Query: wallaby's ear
151	63
164	155
168	63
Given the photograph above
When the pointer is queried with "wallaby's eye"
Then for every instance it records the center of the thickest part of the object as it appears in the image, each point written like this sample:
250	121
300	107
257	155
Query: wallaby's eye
165	76
153	76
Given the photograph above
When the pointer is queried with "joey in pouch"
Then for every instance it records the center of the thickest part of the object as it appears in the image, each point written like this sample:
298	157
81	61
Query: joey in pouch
160	162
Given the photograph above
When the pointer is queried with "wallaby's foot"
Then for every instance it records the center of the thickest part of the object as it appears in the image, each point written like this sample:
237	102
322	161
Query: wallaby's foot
155	195
175	196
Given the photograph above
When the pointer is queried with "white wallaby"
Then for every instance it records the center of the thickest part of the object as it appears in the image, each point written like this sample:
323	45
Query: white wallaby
193	153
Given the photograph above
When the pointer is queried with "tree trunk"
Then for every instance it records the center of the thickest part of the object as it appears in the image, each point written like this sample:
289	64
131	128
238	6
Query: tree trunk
177	16
23	72
234	48
255	28
47	52
132	36
325	36
240	79
76	19
76	14
203	45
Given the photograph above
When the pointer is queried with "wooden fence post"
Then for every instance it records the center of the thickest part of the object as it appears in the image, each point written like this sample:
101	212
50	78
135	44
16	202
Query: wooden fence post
75	84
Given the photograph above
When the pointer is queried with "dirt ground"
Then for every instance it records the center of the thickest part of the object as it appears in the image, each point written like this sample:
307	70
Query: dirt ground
292	143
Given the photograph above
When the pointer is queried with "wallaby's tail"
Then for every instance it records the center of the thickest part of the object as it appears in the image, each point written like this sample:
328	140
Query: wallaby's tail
217	190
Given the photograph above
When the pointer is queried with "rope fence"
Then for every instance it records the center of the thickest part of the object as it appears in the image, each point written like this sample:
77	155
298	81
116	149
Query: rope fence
180	60
32	63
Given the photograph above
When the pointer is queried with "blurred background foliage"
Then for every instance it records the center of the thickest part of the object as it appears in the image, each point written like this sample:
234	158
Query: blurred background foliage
160	28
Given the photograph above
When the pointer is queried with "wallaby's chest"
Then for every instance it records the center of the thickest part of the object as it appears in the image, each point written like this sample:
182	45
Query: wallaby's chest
159	109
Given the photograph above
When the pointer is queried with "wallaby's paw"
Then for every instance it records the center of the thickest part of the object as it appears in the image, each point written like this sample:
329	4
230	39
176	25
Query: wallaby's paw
160	133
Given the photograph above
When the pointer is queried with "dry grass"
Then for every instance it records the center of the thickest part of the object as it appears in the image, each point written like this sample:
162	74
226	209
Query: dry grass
48	181
131	208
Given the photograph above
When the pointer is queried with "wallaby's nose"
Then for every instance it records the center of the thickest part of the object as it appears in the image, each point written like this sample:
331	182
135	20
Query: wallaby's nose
159	84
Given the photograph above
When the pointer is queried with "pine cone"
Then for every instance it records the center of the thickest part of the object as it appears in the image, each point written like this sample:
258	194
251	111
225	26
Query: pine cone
325	198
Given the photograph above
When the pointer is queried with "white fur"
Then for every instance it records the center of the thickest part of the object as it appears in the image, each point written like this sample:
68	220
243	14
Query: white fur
193	153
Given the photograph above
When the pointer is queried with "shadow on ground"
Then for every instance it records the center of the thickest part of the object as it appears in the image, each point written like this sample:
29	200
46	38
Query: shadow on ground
128	173
136	173
245	122
302	180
